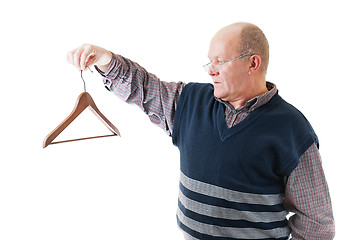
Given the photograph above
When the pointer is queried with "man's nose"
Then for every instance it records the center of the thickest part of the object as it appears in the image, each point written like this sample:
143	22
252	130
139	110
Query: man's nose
213	71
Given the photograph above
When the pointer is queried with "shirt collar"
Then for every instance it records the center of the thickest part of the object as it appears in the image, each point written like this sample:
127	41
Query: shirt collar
255	102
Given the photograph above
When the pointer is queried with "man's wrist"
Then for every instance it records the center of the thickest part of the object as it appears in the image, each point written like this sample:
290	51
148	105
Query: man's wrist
104	69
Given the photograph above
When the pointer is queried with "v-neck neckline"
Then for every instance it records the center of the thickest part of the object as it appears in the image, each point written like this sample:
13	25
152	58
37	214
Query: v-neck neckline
225	132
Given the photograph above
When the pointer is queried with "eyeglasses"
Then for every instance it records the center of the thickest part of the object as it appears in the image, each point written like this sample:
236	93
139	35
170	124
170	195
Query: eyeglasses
216	68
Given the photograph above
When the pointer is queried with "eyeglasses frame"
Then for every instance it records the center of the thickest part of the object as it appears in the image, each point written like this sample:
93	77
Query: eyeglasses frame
208	66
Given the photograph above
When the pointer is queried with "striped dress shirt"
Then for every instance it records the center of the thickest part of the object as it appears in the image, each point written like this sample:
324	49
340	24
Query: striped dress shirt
306	195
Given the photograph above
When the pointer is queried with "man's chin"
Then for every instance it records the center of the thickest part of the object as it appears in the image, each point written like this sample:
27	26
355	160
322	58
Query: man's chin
218	94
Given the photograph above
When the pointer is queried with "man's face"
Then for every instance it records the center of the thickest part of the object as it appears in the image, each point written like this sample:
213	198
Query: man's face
230	80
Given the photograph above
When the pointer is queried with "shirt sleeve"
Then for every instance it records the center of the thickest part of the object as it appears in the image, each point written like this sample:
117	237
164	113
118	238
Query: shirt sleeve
307	196
133	84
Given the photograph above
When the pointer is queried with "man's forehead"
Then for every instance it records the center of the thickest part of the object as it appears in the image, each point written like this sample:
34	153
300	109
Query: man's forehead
223	46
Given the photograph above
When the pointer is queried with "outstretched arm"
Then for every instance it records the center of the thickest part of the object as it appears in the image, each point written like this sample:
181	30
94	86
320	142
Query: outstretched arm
132	83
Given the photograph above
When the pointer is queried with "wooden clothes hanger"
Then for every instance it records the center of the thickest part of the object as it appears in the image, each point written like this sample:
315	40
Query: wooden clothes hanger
84	101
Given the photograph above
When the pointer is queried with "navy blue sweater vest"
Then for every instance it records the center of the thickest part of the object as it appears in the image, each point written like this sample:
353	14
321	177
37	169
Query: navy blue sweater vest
231	183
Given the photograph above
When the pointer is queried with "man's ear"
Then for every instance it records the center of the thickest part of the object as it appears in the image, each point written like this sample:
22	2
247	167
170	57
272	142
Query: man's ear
255	63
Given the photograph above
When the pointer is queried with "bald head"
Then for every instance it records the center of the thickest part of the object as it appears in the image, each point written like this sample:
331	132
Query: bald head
248	38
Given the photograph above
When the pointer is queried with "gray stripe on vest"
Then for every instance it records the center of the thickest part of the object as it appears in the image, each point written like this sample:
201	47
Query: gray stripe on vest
231	232
230	195
228	213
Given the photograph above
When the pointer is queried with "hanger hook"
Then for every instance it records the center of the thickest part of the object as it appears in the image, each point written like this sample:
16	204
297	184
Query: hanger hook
81	71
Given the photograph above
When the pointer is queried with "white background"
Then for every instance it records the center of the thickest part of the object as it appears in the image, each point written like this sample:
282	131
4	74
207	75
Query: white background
126	188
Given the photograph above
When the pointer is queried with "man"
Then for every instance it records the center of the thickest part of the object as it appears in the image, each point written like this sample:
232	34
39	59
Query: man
247	156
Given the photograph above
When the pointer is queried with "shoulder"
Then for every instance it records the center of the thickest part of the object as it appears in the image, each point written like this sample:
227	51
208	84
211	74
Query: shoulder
286	120
195	98
196	93
285	112
198	88
292	122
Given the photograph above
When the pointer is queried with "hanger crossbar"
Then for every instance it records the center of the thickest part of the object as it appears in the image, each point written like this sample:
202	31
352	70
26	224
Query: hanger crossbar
78	139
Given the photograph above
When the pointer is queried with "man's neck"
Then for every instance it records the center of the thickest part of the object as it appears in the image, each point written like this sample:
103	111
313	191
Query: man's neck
251	94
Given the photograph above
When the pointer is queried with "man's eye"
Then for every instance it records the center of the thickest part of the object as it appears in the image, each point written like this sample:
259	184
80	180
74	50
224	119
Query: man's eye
219	61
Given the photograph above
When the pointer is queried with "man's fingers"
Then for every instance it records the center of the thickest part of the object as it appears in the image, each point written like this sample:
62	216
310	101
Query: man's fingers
88	55
87	58
77	57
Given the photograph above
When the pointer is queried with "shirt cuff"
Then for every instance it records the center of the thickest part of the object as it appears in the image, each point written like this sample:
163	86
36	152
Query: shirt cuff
109	74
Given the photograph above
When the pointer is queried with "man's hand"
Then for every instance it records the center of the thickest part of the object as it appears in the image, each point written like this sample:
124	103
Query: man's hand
88	55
